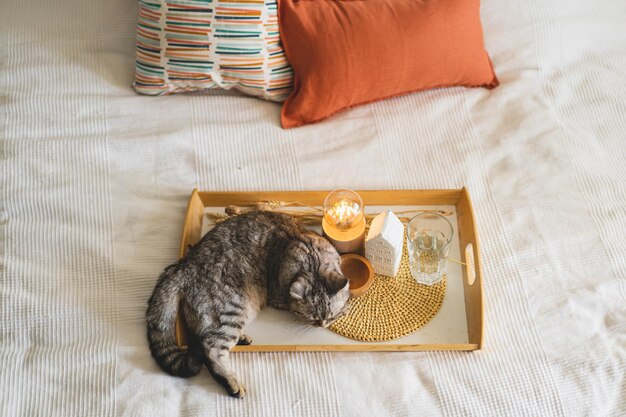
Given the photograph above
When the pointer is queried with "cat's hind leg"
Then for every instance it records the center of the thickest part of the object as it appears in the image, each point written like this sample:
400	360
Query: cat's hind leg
216	335
216	351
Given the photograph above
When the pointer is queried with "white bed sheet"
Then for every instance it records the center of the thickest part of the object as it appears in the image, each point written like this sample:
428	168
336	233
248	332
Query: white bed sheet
95	181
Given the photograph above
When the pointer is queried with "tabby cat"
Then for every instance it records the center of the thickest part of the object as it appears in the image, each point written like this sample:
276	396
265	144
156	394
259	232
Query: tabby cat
244	263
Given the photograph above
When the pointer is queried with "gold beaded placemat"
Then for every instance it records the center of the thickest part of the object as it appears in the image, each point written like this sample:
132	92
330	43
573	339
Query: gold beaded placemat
392	307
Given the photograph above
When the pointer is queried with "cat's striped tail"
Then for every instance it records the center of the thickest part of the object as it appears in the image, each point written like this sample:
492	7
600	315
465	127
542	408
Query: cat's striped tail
161	318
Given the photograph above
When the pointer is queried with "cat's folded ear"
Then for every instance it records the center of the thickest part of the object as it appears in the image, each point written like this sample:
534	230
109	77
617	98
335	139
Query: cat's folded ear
338	283
346	283
299	288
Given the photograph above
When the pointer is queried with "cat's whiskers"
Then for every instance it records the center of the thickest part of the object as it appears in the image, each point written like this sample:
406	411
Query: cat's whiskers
304	329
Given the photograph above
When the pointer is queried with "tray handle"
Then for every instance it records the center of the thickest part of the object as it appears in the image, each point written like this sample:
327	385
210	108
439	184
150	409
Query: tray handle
469	263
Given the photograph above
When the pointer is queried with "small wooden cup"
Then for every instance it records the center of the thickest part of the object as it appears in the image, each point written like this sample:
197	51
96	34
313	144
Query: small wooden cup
359	272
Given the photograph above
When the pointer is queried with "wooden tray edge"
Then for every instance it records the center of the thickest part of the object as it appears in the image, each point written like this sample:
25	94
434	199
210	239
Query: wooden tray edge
357	348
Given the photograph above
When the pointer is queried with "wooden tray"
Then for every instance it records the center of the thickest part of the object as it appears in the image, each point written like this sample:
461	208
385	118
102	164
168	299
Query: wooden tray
456	327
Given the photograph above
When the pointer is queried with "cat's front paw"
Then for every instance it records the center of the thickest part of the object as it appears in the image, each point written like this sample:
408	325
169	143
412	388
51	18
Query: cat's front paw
244	340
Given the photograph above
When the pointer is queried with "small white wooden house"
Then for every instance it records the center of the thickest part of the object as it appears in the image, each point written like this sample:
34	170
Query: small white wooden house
383	245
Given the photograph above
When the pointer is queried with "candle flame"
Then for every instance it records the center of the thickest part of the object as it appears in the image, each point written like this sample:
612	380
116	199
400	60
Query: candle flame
344	213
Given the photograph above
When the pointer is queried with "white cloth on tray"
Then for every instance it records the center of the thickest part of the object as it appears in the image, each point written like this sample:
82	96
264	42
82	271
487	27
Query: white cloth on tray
95	180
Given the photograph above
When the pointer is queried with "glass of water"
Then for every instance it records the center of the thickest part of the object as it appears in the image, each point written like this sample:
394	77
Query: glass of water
428	238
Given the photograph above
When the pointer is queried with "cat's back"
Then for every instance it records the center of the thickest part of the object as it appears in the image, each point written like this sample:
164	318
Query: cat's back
246	233
255	224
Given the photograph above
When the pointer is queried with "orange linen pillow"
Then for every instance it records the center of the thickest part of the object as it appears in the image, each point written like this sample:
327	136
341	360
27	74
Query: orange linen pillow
350	52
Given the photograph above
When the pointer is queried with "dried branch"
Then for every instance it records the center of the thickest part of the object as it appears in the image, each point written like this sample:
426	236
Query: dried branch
312	216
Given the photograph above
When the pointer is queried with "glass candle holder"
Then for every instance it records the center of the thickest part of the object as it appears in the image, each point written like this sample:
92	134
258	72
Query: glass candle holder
428	238
344	221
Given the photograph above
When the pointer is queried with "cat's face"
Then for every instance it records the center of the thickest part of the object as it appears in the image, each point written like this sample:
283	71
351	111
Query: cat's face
318	292
319	300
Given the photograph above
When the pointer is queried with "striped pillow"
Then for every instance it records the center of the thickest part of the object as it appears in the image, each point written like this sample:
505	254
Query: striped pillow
191	45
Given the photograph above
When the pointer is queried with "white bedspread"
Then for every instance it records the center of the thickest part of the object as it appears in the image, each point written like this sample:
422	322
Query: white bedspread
95	181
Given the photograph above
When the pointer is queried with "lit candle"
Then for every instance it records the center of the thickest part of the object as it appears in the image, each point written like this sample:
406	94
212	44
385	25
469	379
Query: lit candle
344	213
344	222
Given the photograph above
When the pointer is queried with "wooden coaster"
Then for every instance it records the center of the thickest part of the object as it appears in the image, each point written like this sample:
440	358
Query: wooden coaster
392	307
